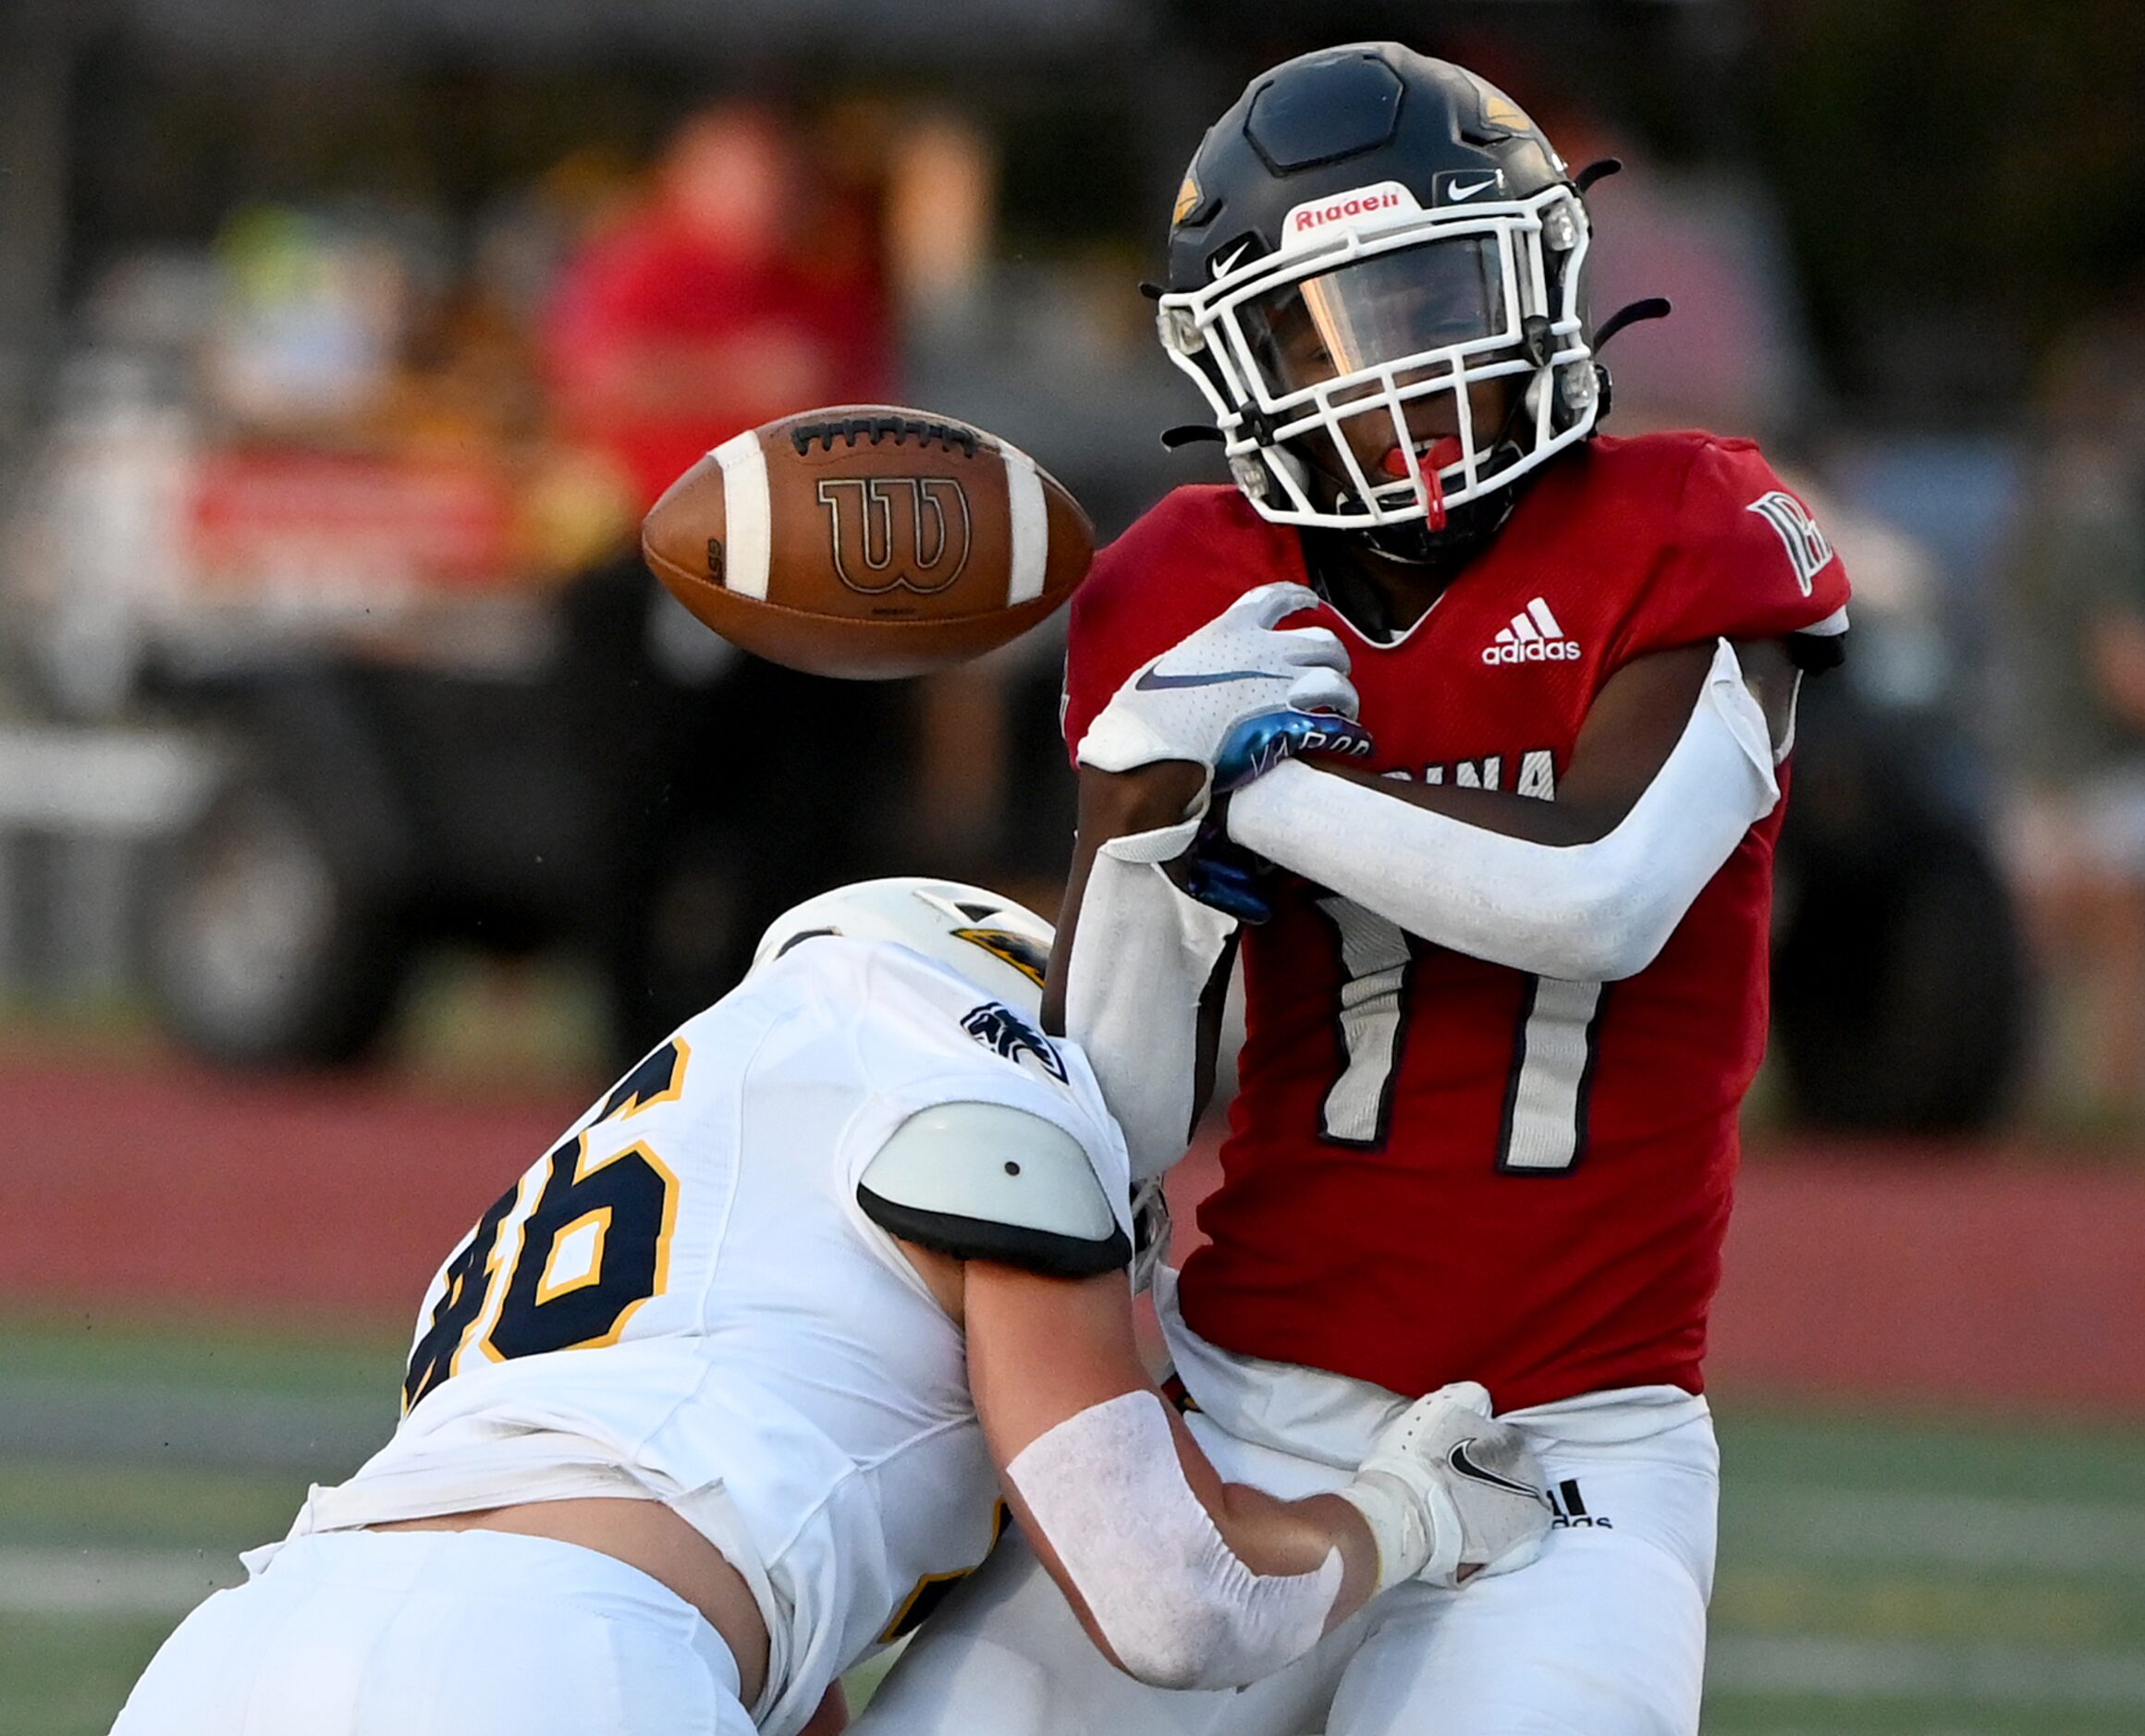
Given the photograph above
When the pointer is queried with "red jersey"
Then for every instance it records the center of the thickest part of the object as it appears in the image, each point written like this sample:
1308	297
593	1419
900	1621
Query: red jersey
1440	1168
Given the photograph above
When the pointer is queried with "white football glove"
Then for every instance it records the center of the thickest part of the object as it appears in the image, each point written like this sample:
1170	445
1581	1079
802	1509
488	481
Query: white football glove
1236	696
1447	1489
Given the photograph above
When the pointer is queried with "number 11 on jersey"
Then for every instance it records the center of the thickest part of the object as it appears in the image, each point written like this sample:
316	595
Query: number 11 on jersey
1555	1048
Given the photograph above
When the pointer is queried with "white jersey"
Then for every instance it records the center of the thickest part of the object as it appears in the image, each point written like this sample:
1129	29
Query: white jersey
685	1299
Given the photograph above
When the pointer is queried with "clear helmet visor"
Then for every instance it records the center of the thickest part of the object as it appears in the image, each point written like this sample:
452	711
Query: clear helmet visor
1388	375
1397	308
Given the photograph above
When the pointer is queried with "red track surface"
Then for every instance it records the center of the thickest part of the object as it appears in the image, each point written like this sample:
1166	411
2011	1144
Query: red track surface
170	1186
1853	1271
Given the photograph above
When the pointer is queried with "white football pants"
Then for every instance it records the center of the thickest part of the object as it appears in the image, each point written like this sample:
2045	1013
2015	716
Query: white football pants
440	1633
1605	1633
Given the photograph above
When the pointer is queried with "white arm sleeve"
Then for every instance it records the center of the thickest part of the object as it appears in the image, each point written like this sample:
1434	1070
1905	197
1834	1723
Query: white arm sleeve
1142	956
1177	1604
1584	913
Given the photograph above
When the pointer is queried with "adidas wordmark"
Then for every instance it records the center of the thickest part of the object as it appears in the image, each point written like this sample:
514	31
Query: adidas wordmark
1533	637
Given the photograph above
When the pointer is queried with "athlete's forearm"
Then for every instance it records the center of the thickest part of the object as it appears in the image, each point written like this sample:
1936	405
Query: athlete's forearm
1112	805
1594	911
1133	965
1185	1582
832	1718
1276	1536
1558	823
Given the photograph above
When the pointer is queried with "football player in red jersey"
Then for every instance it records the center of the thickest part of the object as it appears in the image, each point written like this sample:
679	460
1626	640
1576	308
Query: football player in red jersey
1505	977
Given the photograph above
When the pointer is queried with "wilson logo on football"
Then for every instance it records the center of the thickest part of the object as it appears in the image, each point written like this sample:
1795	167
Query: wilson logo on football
895	532
1533	637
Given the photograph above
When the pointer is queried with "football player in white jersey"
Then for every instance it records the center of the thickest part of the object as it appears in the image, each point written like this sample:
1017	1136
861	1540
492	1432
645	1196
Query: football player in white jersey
721	1396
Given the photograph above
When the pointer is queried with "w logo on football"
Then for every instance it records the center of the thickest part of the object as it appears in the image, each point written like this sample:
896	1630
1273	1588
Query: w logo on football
1806	546
1005	1033
895	532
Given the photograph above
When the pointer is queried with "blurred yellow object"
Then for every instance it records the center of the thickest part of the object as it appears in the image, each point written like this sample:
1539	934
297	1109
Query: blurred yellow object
578	510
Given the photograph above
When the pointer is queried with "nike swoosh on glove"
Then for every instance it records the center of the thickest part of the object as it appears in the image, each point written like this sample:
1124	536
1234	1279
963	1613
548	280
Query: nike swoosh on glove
1236	697
1450	1490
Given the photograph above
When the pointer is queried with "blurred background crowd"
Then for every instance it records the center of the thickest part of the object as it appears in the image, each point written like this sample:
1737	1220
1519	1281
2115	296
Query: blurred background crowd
340	352
363	802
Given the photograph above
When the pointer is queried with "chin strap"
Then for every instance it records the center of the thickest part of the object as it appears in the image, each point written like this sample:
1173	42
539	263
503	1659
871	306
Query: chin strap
1632	313
1466	527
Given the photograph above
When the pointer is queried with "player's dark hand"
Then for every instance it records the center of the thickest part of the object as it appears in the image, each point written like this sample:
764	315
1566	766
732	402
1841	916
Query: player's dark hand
1222	874
1256	745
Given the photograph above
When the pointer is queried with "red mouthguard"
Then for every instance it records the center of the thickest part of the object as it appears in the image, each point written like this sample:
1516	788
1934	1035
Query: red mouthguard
1446	449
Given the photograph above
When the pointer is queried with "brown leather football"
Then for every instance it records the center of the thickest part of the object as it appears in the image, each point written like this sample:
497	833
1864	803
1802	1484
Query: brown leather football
867	541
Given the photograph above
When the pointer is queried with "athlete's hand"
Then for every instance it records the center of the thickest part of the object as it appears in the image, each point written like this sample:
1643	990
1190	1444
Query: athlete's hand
1447	1480
1235	697
1223	874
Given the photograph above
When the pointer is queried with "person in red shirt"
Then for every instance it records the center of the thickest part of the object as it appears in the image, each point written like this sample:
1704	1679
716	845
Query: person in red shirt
701	315
1503	936
744	287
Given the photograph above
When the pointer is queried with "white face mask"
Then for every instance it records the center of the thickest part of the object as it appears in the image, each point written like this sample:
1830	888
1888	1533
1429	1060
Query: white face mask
1345	370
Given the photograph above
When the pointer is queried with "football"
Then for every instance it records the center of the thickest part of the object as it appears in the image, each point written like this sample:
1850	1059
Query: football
867	541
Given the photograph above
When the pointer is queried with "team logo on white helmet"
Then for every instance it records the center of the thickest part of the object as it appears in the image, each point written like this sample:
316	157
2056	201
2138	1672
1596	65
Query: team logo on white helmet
1000	945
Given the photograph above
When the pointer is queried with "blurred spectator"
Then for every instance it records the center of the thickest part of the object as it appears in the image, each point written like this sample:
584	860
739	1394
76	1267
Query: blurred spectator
314	314
2079	744
1734	356
741	291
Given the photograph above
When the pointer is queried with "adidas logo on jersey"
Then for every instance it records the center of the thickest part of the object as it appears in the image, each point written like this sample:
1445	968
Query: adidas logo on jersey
1568	1510
1533	637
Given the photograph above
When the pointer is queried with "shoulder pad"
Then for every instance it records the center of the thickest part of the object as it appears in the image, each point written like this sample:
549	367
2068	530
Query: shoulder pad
983	1181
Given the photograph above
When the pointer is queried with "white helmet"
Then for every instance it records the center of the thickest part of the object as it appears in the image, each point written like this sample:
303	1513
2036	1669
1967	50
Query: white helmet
1000	947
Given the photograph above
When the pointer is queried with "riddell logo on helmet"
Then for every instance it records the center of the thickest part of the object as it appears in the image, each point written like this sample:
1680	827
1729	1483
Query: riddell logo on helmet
1355	205
1385	199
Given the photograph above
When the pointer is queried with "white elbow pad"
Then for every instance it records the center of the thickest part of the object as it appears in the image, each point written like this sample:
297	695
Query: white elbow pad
1142	956
1586	912
1176	1603
984	1182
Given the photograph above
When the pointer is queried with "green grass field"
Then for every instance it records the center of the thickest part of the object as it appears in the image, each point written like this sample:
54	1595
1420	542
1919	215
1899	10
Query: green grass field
1879	1573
